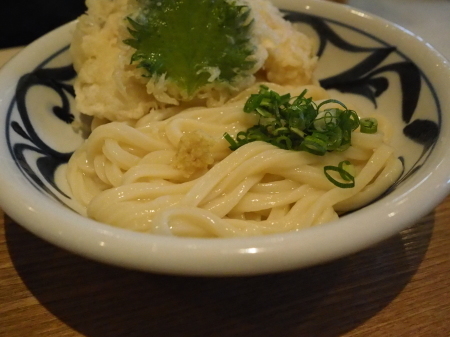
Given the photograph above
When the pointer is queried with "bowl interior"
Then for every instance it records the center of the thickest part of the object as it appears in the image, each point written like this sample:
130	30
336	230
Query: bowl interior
375	65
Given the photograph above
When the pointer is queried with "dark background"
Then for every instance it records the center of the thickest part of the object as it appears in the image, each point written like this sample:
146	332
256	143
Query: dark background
23	21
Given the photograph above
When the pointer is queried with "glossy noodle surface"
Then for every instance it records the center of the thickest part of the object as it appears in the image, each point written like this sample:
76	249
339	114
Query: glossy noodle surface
172	173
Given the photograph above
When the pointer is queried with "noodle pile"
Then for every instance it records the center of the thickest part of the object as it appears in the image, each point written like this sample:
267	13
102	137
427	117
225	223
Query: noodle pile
172	173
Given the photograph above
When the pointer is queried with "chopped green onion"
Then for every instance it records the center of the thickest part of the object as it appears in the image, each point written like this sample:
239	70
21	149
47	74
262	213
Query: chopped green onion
229	139
297	123
253	102
300	133
328	101
335	139
347	167
368	125
314	145
343	169
280	130
283	142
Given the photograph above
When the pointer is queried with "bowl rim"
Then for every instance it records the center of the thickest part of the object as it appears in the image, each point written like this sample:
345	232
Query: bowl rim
231	256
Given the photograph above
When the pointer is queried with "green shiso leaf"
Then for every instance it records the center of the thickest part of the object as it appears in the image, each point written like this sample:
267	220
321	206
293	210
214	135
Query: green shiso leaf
184	38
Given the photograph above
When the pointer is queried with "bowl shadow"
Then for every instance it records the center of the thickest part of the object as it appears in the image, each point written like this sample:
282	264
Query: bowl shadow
328	300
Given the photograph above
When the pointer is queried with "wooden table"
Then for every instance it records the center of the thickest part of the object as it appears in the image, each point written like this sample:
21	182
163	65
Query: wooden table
401	287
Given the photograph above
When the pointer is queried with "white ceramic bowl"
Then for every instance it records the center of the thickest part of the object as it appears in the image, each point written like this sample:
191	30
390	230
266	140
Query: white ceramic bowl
360	54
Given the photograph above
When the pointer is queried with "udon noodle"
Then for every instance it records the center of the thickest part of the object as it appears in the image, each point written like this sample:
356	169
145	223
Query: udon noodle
172	173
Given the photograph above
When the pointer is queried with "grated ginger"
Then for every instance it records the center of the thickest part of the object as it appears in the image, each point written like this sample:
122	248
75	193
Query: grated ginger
194	152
